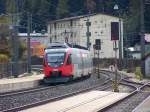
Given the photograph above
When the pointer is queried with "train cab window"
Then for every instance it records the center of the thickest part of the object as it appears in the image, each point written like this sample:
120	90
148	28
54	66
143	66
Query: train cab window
69	60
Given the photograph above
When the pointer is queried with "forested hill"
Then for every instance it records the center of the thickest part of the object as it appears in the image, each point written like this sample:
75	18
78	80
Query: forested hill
46	10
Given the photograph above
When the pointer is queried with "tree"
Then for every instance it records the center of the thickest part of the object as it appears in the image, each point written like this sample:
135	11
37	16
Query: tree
10	6
133	20
62	9
76	7
90	5
147	18
132	23
2	6
4	33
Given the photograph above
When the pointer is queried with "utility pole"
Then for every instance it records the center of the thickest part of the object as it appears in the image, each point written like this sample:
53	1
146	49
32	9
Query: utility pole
115	83
98	64
14	43
120	43
28	42
142	31
88	33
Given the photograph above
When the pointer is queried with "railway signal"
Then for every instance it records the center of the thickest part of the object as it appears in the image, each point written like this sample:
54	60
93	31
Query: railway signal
115	82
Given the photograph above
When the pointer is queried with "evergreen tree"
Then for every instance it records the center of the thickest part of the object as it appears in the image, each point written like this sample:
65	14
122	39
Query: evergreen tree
132	23
53	9
147	18
10	6
2	6
90	5
76	7
62	9
134	17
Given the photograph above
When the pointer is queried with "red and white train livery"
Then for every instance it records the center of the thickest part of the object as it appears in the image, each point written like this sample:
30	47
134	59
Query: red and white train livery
63	62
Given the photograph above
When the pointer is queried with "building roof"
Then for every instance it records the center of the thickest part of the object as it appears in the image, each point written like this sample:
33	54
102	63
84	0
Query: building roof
78	17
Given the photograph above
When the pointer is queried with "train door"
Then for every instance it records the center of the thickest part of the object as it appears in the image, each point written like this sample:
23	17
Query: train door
68	66
76	60
82	63
86	64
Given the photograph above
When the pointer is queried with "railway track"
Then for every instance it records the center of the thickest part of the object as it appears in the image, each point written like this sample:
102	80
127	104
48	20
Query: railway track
128	103
140	92
109	76
19	100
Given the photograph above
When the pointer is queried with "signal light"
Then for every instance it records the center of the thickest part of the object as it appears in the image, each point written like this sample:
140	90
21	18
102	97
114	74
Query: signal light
114	31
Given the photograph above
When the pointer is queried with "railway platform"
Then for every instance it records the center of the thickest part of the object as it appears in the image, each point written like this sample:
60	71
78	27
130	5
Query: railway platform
13	84
91	101
144	106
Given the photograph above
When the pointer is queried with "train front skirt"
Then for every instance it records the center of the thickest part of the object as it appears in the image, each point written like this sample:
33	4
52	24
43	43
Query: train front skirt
57	79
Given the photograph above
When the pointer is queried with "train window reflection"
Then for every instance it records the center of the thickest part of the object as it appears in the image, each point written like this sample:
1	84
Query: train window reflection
55	57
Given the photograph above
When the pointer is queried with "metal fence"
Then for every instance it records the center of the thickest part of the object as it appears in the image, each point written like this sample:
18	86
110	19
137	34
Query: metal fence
12	69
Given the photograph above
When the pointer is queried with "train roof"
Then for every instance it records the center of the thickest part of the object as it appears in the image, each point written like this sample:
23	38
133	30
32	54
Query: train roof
58	45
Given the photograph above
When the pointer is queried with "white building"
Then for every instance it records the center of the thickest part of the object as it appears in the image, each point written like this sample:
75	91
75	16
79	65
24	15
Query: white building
73	30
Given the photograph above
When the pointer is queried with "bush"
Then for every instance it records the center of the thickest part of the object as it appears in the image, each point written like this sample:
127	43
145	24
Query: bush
138	73
4	58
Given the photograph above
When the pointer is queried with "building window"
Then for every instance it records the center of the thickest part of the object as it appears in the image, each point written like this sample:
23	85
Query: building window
55	37
75	23
66	39
70	22
71	34
50	29
54	25
50	39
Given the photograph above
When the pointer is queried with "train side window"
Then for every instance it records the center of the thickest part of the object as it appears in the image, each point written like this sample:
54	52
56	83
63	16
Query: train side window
69	60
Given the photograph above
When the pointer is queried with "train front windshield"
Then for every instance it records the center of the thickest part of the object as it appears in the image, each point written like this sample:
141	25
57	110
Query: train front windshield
55	59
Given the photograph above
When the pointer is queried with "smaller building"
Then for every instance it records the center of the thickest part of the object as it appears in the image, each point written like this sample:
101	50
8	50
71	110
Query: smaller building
38	42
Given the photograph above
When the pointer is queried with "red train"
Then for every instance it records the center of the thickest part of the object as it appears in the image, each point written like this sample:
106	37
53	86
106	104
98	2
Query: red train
63	62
